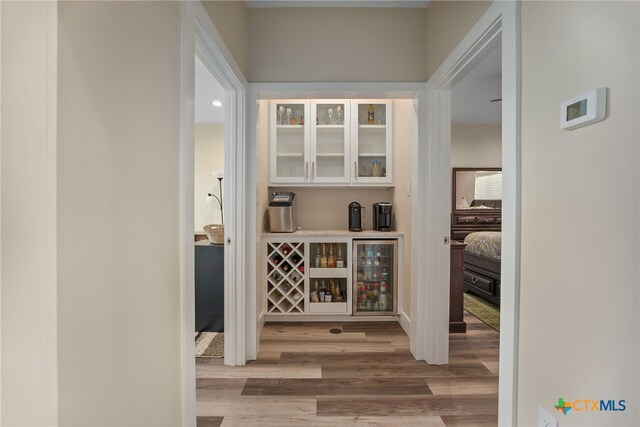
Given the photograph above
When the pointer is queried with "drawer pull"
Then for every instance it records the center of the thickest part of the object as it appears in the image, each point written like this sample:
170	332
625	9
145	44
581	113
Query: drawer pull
474	280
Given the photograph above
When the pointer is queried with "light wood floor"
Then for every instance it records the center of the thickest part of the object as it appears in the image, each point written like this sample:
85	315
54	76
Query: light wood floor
365	376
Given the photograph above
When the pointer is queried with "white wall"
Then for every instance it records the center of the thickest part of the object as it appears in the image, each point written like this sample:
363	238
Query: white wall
404	132
209	157
476	146
28	167
231	18
337	44
118	209
447	23
579	323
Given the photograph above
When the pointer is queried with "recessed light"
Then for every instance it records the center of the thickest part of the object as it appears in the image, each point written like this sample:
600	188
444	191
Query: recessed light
217	103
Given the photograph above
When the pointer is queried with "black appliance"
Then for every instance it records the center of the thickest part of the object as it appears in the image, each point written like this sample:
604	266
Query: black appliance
355	216
382	216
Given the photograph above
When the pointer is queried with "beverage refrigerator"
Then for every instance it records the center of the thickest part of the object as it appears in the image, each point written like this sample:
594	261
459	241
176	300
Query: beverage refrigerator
375	277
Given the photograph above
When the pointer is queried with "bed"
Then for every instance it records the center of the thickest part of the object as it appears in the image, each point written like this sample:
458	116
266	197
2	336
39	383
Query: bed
476	220
481	269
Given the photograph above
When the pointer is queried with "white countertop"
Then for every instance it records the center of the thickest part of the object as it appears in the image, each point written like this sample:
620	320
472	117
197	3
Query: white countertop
366	234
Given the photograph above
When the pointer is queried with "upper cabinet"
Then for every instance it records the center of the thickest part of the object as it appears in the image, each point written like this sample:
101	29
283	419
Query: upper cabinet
336	142
330	141
290	151
371	141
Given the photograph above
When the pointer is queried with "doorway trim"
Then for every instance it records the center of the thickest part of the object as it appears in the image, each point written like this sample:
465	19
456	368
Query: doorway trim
200	37
500	21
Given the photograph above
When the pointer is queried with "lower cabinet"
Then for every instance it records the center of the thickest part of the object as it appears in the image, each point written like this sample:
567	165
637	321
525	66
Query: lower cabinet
320	276
209	287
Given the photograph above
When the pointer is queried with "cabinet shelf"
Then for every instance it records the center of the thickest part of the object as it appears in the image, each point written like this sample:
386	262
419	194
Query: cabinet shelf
330	155
328	273
373	127
372	154
329	127
290	127
290	154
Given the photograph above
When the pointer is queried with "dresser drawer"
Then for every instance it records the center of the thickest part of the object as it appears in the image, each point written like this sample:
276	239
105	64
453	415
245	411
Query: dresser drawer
486	220
481	282
466	220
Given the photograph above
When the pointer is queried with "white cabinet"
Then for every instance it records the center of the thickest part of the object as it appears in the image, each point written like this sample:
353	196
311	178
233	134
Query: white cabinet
290	152
296	281
371	141
352	270
331	142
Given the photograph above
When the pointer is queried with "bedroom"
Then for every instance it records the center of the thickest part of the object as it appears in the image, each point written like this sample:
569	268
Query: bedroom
476	193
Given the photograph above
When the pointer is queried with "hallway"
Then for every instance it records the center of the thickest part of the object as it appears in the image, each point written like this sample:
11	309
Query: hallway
364	376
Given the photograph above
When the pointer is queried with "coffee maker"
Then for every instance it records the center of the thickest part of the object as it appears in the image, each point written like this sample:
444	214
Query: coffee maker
355	217
382	216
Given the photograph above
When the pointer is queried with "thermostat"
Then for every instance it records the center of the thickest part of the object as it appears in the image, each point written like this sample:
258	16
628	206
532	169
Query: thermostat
584	110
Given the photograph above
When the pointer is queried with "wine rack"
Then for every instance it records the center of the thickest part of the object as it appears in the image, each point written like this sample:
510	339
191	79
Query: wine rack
285	277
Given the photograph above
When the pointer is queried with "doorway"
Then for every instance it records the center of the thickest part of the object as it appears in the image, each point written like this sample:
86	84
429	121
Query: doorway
209	207
500	22
199	37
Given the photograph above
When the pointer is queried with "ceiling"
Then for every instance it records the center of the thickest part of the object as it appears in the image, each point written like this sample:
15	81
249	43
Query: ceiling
207	90
470	99
337	3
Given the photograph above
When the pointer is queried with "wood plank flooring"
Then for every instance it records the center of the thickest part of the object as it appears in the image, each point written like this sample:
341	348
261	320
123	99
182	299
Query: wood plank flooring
365	376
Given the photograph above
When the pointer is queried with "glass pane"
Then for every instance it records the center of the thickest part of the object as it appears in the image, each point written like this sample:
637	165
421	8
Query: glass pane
289	154
329	114
372	166
290	114
372	114
375	278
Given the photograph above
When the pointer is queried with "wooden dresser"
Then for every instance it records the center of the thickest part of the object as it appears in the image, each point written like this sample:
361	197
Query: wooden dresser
465	221
456	297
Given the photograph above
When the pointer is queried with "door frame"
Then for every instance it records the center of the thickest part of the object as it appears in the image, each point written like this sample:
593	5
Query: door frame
295	90
200	37
500	21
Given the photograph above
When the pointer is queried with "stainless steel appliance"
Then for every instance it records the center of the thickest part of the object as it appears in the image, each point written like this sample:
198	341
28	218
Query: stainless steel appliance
382	216
355	218
375	277
282	212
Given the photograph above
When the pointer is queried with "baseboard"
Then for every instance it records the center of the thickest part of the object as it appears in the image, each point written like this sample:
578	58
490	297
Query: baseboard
405	322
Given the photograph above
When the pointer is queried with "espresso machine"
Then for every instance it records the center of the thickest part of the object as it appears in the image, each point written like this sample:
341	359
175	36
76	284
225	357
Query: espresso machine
382	216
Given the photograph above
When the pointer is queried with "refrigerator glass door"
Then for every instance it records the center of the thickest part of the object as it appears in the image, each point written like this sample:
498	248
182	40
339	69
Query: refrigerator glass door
375	277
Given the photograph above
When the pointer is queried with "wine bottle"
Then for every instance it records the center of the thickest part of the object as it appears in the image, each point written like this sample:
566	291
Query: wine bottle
382	298
295	258
277	260
340	260
285	267
322	292
323	259
371	116
286	249
316	261
331	260
314	294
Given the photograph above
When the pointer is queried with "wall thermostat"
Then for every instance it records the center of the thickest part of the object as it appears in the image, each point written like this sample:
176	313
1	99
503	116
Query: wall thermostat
584	110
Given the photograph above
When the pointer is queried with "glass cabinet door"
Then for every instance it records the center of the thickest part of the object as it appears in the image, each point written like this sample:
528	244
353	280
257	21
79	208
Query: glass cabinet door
371	145
329	273
375	277
330	141
289	141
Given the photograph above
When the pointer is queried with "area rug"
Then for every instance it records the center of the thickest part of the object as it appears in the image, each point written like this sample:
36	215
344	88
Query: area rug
484	310
210	344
